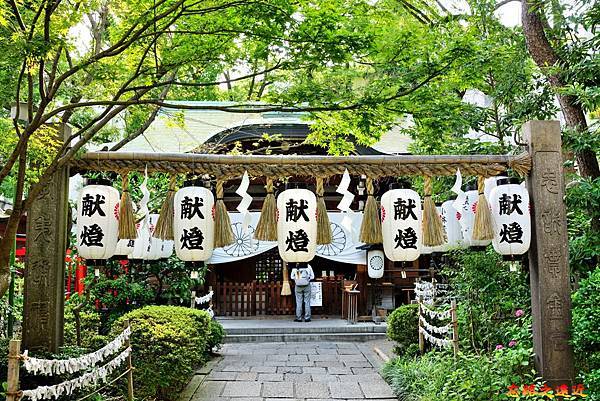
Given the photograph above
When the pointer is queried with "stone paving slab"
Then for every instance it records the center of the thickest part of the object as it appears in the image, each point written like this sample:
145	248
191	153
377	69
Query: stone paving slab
315	371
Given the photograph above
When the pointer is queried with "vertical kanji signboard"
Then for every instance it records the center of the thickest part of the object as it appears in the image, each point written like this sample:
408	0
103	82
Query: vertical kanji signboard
45	266
548	255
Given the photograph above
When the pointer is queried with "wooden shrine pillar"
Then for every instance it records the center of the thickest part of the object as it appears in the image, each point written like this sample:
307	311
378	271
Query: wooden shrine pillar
47	239
548	254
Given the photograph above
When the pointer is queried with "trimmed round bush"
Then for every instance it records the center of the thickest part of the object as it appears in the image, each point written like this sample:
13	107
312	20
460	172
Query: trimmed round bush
168	343
216	336
402	326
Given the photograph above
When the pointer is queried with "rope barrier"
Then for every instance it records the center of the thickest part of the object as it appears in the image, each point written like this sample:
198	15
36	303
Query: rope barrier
276	166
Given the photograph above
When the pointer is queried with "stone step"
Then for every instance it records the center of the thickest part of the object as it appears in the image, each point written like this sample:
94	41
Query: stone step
303	337
302	328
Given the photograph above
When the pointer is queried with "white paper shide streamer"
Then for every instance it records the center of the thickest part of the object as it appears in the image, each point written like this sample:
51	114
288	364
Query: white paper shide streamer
245	202
347	199
204	299
435	314
434	329
51	367
438	342
66	388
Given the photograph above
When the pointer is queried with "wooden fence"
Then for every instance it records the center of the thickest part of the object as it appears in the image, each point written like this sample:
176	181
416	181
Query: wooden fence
256	299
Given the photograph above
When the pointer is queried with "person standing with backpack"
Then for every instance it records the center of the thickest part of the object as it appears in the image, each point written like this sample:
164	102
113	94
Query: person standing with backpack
302	274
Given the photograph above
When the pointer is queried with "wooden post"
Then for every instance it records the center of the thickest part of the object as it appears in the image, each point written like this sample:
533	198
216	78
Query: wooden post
548	254
193	300
14	360
129	367
47	240
454	327
421	339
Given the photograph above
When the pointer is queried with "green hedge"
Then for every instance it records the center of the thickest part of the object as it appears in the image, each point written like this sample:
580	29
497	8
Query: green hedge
586	335
402	326
168	343
438	376
216	336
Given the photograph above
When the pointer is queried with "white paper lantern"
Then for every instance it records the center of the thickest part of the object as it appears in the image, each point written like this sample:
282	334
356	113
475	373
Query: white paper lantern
154	247
194	224
97	222
491	183
427	250
512	220
401	224
375	263
124	247
467	219
297	225
140	246
167	249
450	219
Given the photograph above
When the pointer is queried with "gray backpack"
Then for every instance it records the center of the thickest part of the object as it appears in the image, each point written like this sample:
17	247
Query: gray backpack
304	277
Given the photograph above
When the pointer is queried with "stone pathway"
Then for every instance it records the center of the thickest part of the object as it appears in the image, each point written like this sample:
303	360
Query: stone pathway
294	371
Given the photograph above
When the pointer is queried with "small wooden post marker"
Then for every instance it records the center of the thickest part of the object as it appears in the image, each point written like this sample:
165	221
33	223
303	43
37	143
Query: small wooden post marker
454	327
14	358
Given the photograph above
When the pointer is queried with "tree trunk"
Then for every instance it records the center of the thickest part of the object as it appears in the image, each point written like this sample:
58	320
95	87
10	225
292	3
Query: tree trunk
5	247
546	58
12	226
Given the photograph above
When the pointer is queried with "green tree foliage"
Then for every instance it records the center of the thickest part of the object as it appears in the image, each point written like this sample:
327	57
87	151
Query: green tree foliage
583	206
488	297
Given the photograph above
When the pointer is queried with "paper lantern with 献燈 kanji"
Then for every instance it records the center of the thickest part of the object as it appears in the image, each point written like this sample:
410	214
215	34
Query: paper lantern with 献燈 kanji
154	246
512	220
194	224
401	219
450	218
467	212
140	246
297	225
491	183
375	263
158	249
166	249
124	247
97	222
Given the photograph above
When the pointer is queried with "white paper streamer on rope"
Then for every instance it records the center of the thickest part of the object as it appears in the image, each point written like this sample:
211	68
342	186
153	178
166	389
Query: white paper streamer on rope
347	196
438	342
245	202
435	314
95	377
346	202
457	189
434	329
50	367
204	299
426	291
211	312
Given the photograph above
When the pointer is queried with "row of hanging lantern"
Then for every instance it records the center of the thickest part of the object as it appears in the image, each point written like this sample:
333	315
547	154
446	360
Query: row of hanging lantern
401	217
193	224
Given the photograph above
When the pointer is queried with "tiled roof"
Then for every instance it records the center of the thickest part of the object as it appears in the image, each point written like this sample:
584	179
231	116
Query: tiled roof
184	130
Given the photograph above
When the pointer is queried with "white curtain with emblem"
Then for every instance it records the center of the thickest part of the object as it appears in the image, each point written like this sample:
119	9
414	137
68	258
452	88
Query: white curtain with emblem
342	248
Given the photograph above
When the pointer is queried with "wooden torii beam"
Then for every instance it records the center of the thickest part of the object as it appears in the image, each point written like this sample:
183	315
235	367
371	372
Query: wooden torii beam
548	255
